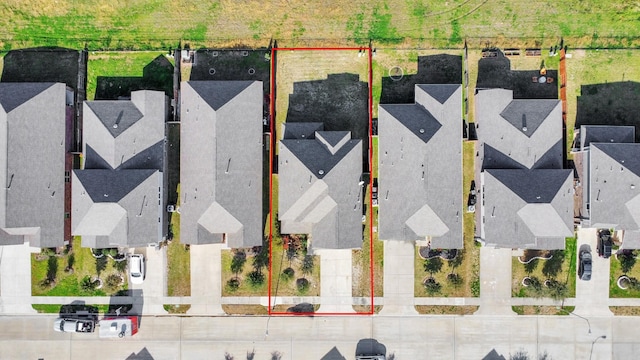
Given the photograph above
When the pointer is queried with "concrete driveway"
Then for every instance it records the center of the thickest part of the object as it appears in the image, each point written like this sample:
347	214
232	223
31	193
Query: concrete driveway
495	281
592	297
335	280
153	288
15	279
399	257
206	278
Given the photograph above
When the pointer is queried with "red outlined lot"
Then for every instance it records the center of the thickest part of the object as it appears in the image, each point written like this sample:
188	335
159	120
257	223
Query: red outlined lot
271	150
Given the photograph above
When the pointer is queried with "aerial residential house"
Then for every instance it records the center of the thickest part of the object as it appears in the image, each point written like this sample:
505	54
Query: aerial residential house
320	186
420	159
221	163
119	195
610	180
526	197
32	138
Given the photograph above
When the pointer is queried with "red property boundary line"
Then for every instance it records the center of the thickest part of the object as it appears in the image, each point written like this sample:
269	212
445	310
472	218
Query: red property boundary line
271	149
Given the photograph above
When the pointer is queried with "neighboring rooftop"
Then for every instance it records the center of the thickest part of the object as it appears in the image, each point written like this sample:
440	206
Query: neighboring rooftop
115	196
528	132
221	163
420	168
32	121
320	189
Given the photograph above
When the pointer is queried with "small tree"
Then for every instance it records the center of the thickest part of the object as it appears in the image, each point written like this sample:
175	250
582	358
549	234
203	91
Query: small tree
432	286
101	264
237	263
52	269
71	260
291	254
307	265
261	260
256	278
120	266
287	274
433	265
87	285
627	262
456	261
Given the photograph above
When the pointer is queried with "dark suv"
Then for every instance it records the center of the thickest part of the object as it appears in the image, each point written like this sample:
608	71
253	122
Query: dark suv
604	243
584	269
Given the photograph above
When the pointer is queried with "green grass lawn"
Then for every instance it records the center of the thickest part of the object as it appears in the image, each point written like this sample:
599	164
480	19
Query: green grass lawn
116	64
616	272
68	284
178	261
566	272
158	24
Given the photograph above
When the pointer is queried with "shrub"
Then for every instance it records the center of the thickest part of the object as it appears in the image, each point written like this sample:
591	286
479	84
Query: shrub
233	284
52	269
302	284
455	279
120	266
432	286
101	264
237	263
113	281
71	260
87	285
287	274
256	278
627	262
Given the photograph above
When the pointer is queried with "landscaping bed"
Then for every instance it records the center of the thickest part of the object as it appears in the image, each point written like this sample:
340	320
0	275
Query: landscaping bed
74	271
552	278
624	264
446	309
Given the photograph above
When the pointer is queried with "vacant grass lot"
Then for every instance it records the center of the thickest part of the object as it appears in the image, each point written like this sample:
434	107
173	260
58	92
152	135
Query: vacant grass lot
163	23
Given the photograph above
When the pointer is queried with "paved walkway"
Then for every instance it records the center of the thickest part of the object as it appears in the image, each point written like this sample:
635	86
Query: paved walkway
206	270
495	282
592	297
399	275
335	281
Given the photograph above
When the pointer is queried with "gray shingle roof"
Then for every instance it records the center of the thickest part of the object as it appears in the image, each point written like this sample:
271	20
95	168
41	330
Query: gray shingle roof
544	127
32	206
301	130
221	163
326	204
119	197
614	190
515	221
605	134
420	173
218	93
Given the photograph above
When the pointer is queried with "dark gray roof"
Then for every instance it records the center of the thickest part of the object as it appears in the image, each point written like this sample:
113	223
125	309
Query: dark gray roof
104	185
415	118
315	155
12	95
606	134
499	125
328	204
301	130
515	216
440	92
221	163
218	93
32	207
420	174
115	197
527	115
614	185
116	115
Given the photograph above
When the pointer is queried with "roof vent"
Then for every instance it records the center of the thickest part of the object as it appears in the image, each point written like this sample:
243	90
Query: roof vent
524	122
633	186
321	172
421	131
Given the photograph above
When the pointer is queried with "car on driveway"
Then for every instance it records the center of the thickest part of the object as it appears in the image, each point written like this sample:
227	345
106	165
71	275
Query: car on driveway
604	243
136	269
584	269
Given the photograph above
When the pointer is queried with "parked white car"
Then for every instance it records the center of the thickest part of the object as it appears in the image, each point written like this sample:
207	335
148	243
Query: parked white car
136	269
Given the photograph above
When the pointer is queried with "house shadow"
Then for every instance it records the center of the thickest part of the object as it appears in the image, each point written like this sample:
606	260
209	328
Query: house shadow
432	69
493	355
370	347
494	72
340	102
43	64
157	75
333	354
144	354
616	103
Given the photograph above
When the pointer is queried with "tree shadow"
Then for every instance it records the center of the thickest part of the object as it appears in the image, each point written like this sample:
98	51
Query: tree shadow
432	69
495	73
340	102
157	75
79	310
616	103
553	266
